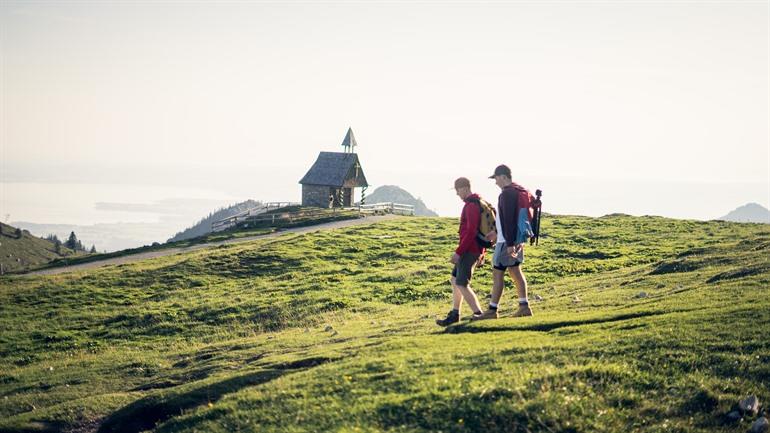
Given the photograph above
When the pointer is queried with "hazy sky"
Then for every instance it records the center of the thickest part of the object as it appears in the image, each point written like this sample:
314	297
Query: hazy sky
566	93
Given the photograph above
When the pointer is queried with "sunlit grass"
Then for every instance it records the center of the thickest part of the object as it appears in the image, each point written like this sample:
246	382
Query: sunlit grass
333	331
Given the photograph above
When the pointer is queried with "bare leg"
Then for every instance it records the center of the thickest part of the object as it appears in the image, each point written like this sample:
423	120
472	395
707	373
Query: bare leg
457	296
470	298
498	284
519	281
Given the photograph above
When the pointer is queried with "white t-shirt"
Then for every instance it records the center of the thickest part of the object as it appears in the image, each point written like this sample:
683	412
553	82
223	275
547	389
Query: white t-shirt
499	226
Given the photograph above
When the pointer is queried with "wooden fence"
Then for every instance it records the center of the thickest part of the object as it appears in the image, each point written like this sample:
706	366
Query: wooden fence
244	216
300	216
387	207
269	214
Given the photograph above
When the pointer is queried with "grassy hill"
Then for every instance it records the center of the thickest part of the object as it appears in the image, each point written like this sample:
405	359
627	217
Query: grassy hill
334	331
26	251
301	217
203	227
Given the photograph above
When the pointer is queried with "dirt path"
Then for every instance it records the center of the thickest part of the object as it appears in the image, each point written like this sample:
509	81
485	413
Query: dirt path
167	252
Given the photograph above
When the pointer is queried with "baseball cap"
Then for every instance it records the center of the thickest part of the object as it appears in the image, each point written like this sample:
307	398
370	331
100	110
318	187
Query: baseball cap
500	170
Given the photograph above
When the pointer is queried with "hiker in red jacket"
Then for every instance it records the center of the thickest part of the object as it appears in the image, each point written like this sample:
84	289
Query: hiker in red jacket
467	255
513	230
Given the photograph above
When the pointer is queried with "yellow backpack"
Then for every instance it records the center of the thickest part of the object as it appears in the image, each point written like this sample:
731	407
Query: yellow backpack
486	223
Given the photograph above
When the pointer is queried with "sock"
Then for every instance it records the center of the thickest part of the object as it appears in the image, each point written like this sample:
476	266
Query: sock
523	301
492	306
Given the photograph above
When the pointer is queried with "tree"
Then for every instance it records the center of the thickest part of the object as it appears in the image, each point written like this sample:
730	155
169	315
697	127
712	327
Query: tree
72	242
18	233
93	249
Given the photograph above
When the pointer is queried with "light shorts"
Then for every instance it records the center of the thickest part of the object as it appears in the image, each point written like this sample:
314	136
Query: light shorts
502	260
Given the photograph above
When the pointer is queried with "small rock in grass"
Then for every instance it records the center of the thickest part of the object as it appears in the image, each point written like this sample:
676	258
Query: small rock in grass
334	333
734	416
750	404
328	328
50	368
576	300
642	295
761	425
538	298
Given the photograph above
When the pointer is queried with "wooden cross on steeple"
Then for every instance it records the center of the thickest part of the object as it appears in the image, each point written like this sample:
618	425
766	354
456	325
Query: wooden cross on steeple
349	143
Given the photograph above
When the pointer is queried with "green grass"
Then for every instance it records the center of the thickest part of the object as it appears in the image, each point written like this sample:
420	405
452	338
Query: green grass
249	230
333	331
21	253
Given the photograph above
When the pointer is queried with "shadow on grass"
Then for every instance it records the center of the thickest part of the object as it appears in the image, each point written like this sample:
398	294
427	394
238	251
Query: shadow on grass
546	327
146	413
492	411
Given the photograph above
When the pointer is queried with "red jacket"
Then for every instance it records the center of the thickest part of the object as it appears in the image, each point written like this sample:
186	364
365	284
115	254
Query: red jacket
469	227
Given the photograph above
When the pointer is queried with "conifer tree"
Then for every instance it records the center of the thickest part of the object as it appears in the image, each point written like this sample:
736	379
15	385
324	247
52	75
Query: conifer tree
72	242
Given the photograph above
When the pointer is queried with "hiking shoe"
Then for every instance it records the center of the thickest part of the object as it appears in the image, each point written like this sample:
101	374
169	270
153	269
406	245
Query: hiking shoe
523	311
489	314
451	317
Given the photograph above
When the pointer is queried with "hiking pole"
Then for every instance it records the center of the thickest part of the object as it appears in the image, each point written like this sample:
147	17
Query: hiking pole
538	205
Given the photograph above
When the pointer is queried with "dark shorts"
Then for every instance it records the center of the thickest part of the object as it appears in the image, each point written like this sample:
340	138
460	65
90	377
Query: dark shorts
463	271
502	260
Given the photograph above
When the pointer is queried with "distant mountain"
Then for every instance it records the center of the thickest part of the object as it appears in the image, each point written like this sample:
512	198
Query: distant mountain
748	213
21	250
392	193
203	226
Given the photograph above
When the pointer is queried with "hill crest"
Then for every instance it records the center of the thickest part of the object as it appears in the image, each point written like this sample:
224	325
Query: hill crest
21	250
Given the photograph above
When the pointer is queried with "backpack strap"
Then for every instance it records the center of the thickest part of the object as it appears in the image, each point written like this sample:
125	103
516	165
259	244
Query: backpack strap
481	238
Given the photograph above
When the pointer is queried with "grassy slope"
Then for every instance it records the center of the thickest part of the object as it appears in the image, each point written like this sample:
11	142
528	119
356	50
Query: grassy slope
235	233
31	250
235	337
